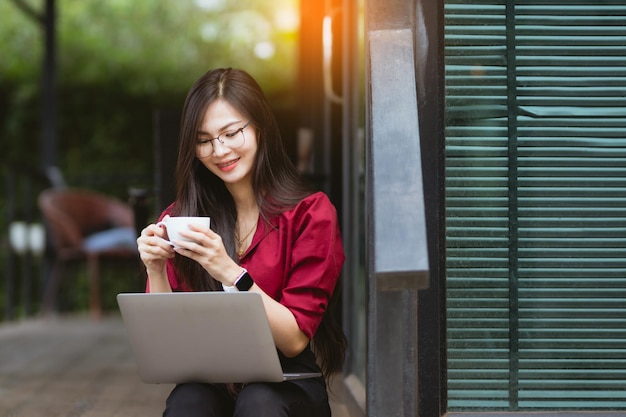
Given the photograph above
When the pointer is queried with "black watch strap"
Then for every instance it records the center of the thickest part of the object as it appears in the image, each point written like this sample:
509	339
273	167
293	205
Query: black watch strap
245	282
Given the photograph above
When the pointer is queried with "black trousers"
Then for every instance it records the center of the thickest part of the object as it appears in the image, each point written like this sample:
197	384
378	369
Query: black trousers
301	398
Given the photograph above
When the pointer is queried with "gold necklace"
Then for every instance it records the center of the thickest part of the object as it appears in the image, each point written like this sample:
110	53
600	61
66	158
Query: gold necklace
240	242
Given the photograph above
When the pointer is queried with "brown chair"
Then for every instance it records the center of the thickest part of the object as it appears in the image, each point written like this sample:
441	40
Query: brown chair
86	226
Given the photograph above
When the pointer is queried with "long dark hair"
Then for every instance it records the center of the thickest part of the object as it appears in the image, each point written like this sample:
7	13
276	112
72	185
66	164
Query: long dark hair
276	183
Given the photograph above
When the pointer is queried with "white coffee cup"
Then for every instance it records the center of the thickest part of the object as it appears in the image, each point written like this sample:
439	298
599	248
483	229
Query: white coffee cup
175	225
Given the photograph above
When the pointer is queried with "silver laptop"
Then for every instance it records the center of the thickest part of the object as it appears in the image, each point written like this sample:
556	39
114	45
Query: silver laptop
202	337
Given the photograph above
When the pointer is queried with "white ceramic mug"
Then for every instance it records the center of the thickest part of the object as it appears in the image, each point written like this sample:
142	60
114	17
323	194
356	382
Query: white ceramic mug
175	225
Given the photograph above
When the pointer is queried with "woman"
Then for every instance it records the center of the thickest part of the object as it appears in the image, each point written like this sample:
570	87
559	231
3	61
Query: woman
269	234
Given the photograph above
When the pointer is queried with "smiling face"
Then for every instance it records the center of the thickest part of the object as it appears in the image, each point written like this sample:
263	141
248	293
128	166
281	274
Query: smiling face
231	165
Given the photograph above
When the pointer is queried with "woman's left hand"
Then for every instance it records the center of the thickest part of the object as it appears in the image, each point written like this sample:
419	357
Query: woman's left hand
206	248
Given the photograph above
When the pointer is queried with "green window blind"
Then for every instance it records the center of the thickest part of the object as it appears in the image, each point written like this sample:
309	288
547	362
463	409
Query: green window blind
536	204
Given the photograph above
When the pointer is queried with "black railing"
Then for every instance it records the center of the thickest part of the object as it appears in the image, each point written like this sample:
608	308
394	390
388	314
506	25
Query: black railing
23	257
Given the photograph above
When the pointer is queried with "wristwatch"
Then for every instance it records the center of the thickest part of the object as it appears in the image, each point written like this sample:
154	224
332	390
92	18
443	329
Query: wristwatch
243	282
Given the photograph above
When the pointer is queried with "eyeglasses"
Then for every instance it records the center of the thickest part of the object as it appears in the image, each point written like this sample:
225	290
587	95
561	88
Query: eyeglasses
232	139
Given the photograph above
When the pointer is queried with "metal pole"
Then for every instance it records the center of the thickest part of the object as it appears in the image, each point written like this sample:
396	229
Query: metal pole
49	90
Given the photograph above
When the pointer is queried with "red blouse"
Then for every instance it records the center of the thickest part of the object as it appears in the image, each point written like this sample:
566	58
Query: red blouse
296	260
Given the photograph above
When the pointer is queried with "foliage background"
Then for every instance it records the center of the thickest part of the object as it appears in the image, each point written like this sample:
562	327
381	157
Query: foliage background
118	61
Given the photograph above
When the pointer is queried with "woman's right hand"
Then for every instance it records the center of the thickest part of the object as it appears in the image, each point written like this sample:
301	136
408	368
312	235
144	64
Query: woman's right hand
154	249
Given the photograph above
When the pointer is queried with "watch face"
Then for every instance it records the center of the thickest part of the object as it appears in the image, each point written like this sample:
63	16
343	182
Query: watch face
245	282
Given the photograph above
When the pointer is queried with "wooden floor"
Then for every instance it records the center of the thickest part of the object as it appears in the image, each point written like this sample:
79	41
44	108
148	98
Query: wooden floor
75	367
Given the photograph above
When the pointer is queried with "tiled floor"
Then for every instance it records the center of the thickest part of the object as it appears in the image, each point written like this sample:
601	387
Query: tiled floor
74	367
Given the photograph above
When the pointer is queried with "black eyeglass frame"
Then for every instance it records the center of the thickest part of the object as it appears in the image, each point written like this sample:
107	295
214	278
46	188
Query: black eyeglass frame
232	135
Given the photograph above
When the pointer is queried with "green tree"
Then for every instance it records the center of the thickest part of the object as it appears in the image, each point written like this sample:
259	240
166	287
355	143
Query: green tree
120	60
